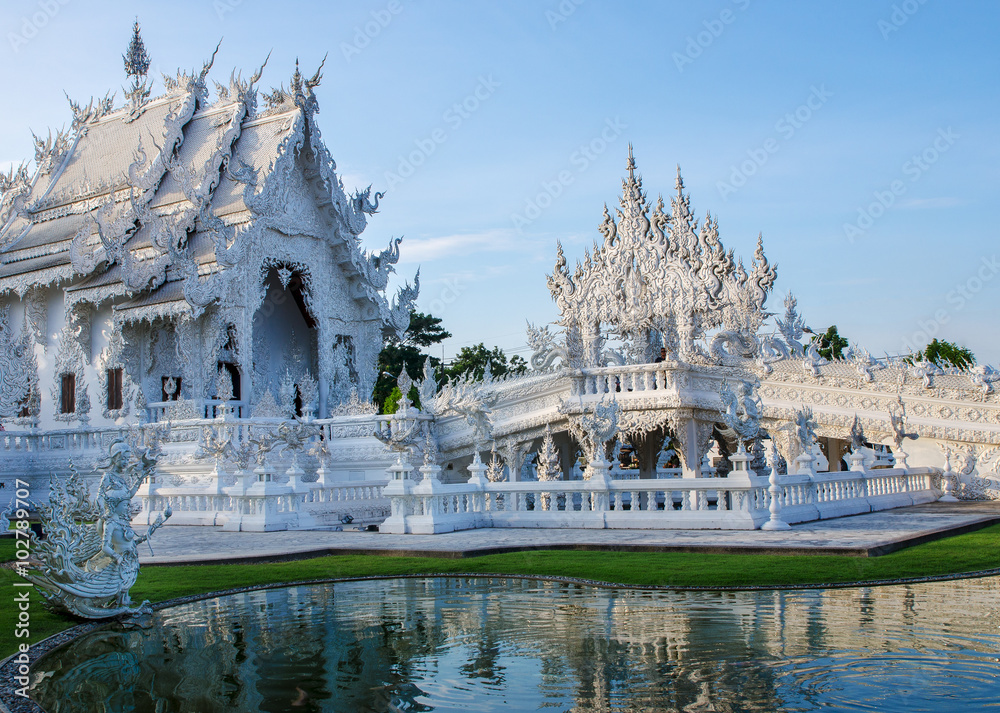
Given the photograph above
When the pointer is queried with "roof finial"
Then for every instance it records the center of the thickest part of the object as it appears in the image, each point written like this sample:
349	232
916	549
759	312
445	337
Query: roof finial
135	58
631	162
136	66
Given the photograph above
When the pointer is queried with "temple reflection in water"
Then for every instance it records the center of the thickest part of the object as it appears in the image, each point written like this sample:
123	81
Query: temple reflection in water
513	644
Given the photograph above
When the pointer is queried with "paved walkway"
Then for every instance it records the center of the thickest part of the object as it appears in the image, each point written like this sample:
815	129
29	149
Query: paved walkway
865	535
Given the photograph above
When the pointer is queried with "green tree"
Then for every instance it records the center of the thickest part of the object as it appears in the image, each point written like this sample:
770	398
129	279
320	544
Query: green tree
473	360
945	354
424	330
391	403
830	345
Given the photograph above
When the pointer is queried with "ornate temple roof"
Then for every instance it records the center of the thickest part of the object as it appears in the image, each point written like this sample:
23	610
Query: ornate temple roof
166	190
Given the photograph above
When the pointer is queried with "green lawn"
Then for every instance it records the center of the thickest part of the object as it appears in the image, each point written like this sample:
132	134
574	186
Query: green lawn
970	552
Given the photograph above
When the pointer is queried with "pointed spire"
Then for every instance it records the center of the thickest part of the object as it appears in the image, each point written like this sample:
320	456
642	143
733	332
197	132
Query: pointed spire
135	58
631	162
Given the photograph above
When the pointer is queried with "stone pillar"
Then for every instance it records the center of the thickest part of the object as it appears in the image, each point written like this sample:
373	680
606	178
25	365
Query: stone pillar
692	435
648	452
567	453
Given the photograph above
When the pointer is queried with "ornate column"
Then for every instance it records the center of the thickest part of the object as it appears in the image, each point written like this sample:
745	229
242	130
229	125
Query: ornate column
692	435
513	455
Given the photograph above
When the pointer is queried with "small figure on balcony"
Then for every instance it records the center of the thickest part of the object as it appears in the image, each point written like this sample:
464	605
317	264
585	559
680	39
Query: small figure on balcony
90	559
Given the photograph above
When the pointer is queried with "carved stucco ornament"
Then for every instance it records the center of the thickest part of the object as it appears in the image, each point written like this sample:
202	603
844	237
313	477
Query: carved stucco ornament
89	559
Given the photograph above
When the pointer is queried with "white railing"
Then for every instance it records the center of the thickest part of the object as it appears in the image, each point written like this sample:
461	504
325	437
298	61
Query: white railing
427	506
634	378
273	507
64	439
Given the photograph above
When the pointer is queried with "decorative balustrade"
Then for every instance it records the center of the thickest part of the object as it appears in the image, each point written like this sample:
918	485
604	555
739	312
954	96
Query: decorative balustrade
159	411
426	506
67	439
260	504
634	378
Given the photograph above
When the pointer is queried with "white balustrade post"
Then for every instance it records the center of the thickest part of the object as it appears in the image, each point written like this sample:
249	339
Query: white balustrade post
399	491
741	466
599	482
804	465
478	482
322	475
947	482
294	475
774	507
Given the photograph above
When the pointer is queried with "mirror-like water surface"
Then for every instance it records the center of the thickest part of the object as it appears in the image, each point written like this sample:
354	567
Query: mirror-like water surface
454	644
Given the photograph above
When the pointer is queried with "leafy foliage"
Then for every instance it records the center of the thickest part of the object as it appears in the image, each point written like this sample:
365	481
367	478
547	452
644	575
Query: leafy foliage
944	354
474	360
391	403
424	330
831	345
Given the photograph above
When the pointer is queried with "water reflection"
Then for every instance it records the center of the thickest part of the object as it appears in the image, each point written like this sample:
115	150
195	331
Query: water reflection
506	644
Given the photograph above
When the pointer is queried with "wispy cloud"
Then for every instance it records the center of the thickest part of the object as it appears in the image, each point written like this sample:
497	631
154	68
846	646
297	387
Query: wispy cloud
357	182
416	250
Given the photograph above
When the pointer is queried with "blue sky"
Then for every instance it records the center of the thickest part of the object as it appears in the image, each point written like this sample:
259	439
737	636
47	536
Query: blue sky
859	137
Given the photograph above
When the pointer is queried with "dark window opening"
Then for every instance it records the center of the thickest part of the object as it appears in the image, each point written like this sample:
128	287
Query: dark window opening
298	401
234	376
67	399
295	287
230	344
115	395
24	411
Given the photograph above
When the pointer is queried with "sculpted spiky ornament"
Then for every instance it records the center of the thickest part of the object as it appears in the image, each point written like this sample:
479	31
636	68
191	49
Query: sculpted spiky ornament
659	278
741	410
89	559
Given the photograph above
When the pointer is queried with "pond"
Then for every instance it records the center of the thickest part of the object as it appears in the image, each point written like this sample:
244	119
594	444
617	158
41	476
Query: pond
508	644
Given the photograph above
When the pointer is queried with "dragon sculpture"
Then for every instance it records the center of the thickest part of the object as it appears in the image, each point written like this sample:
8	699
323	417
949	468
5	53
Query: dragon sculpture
89	559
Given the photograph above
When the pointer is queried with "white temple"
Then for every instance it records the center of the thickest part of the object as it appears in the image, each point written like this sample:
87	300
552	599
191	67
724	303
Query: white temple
190	271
